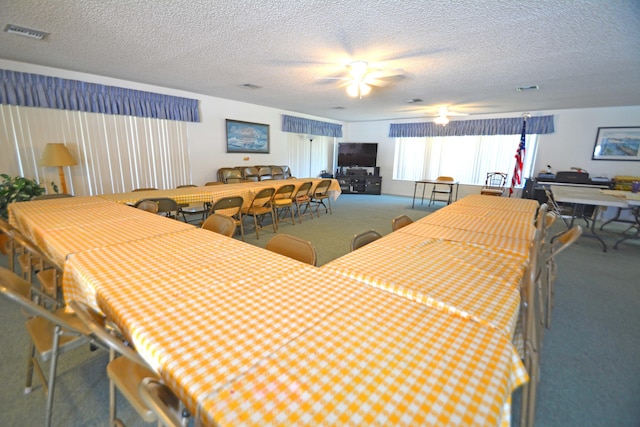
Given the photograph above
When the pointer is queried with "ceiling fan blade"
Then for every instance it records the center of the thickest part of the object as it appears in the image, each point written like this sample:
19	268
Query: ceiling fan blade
385	73
332	78
375	82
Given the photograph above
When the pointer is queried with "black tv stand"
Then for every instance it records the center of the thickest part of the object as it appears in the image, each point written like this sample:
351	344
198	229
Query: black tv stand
360	184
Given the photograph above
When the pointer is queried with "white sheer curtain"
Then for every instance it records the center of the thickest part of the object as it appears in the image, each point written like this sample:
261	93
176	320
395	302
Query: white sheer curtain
466	158
309	155
114	153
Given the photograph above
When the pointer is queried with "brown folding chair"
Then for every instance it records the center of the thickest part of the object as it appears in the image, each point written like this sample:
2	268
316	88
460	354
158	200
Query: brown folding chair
52	333
125	372
442	189
302	199
260	206
220	224
364	238
147	205
293	247
282	202
320	194
231	207
400	221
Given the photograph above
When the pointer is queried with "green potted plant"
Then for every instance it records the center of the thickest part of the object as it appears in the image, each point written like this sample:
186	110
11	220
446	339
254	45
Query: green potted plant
15	189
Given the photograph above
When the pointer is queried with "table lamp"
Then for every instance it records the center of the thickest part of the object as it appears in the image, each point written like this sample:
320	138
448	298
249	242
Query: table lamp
57	154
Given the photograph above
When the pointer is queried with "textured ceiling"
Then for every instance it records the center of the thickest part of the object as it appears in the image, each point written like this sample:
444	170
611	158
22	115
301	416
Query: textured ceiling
469	55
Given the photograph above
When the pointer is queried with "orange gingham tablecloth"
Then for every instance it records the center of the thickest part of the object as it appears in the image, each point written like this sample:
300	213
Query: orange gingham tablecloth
162	262
436	273
202	325
377	360
505	264
188	195
484	212
486	225
517	246
62	229
500	203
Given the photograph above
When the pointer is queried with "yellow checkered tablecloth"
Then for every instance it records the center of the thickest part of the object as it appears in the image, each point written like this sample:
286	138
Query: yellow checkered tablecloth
503	243
462	279
233	328
483	212
163	262
499	203
377	360
188	195
208	303
487	225
64	226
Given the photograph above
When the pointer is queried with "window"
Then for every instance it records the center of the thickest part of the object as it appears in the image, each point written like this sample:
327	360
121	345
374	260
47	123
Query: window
466	158
115	153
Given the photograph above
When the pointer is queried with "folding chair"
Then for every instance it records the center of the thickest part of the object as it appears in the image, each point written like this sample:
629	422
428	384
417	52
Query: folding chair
52	333
293	247
400	221
320	194
127	371
260	206
364	238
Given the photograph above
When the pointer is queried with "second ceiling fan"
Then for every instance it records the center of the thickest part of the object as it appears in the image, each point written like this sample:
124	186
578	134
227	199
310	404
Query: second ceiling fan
442	118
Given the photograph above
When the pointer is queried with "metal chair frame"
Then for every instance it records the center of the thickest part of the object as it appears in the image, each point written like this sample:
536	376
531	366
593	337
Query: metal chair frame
261	205
282	202
51	333
124	370
320	194
301	198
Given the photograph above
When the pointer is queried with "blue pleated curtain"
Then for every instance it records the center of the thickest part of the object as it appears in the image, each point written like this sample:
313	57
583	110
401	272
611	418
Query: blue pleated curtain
504	126
34	90
310	127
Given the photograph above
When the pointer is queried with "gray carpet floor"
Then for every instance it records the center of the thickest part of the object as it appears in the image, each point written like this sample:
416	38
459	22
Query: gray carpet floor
590	356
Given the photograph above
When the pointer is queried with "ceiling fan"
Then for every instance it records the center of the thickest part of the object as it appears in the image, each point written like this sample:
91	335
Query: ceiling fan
442	118
361	77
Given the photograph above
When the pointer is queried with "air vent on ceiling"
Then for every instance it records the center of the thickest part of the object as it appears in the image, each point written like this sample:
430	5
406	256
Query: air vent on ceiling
413	100
338	108
250	86
525	88
24	31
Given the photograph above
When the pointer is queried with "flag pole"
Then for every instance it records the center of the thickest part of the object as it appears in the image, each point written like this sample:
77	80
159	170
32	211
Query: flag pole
520	152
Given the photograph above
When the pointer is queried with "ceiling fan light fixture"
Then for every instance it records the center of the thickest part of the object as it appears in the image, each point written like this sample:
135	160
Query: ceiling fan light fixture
358	69
358	89
353	89
441	120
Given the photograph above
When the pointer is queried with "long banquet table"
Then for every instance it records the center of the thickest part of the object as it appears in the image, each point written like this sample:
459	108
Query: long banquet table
245	336
188	195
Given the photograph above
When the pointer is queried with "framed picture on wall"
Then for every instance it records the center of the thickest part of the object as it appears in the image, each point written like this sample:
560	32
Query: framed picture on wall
617	143
247	137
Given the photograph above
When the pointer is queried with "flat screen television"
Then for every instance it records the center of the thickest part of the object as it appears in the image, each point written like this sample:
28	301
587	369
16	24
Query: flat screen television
363	154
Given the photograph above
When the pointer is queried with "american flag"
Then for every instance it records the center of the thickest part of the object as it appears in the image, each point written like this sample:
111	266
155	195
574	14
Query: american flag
517	171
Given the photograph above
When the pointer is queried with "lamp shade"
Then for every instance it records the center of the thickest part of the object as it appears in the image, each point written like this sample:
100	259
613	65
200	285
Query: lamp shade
57	154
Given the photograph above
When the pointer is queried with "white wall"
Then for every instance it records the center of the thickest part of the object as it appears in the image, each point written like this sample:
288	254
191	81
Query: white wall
570	145
207	139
